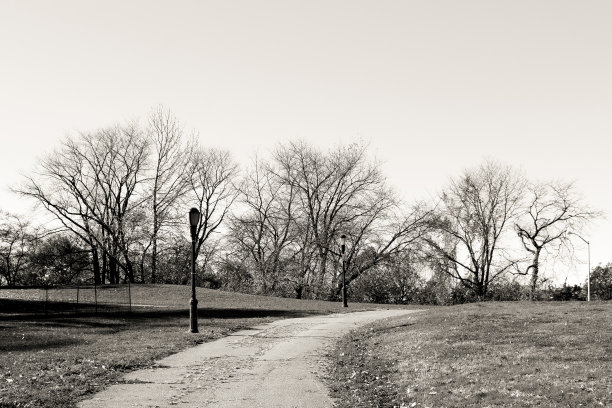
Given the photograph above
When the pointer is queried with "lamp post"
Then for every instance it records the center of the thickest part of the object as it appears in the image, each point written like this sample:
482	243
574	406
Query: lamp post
343	250
589	263
194	219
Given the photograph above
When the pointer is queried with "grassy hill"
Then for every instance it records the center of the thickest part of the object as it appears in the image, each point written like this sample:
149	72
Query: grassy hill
494	354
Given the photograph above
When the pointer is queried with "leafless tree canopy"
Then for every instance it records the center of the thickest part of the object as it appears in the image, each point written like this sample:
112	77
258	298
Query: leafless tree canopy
171	155
298	204
118	188
550	211
211	188
123	194
475	213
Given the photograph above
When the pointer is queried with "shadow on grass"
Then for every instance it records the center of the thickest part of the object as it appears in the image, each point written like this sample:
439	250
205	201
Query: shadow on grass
36	344
11	309
64	314
25	327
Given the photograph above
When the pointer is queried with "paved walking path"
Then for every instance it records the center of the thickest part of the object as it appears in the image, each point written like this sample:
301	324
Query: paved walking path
272	365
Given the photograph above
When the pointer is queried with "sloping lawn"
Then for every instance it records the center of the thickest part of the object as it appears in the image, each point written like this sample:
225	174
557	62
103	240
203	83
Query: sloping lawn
503	354
57	358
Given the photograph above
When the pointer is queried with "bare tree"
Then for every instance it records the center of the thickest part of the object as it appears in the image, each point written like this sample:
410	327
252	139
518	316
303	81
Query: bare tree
212	189
171	156
91	185
55	185
263	231
551	210
382	236
473	218
116	158
330	188
340	192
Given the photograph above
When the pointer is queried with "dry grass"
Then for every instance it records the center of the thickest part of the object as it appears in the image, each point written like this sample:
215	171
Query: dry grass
481	355
55	359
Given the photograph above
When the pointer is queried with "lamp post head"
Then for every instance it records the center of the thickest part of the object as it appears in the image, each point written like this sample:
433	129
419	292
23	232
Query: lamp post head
194	219
343	244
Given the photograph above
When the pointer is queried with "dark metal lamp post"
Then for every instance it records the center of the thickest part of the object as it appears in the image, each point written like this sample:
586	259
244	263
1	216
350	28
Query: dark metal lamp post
343	250
194	219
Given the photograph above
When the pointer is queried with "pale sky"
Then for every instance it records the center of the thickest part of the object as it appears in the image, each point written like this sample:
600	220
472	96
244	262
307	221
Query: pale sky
433	86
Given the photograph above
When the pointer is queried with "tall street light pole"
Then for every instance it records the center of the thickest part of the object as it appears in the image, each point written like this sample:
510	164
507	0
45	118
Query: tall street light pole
194	219
589	263
343	250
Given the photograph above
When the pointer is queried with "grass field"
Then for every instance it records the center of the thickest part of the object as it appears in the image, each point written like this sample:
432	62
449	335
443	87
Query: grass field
55	359
553	354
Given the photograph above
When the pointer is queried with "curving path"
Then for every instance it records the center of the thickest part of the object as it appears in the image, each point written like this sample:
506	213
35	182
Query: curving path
272	365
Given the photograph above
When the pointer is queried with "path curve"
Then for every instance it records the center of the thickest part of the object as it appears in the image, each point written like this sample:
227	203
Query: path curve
272	365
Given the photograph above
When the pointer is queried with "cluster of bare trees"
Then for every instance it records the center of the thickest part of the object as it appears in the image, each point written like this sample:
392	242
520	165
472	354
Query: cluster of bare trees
480	214
123	193
121	190
296	205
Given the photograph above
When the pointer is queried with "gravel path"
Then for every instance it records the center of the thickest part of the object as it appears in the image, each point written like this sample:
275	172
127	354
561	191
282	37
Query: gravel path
273	365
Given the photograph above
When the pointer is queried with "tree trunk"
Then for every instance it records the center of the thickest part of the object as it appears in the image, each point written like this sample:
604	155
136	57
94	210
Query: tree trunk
321	275
129	269
481	290
96	264
154	243
154	259
534	274
113	268
142	269
105	272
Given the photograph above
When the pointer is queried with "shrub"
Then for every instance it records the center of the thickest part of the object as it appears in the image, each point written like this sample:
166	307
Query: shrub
566	292
601	282
508	291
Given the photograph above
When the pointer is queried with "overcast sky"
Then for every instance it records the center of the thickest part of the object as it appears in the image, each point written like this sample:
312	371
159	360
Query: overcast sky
433	86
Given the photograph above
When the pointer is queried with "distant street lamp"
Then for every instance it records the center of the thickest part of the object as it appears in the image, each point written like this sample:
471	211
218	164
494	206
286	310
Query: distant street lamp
343	250
194	219
589	263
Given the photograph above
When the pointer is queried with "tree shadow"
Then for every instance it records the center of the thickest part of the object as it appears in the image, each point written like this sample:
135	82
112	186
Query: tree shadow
37	343
116	317
35	325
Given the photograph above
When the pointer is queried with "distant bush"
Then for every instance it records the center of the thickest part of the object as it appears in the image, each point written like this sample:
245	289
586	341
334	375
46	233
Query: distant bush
508	291
601	282
461	294
210	280
434	291
396	281
234	276
566	292
386	288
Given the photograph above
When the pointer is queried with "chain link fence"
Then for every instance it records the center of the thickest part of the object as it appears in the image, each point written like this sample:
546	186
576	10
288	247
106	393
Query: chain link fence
66	299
